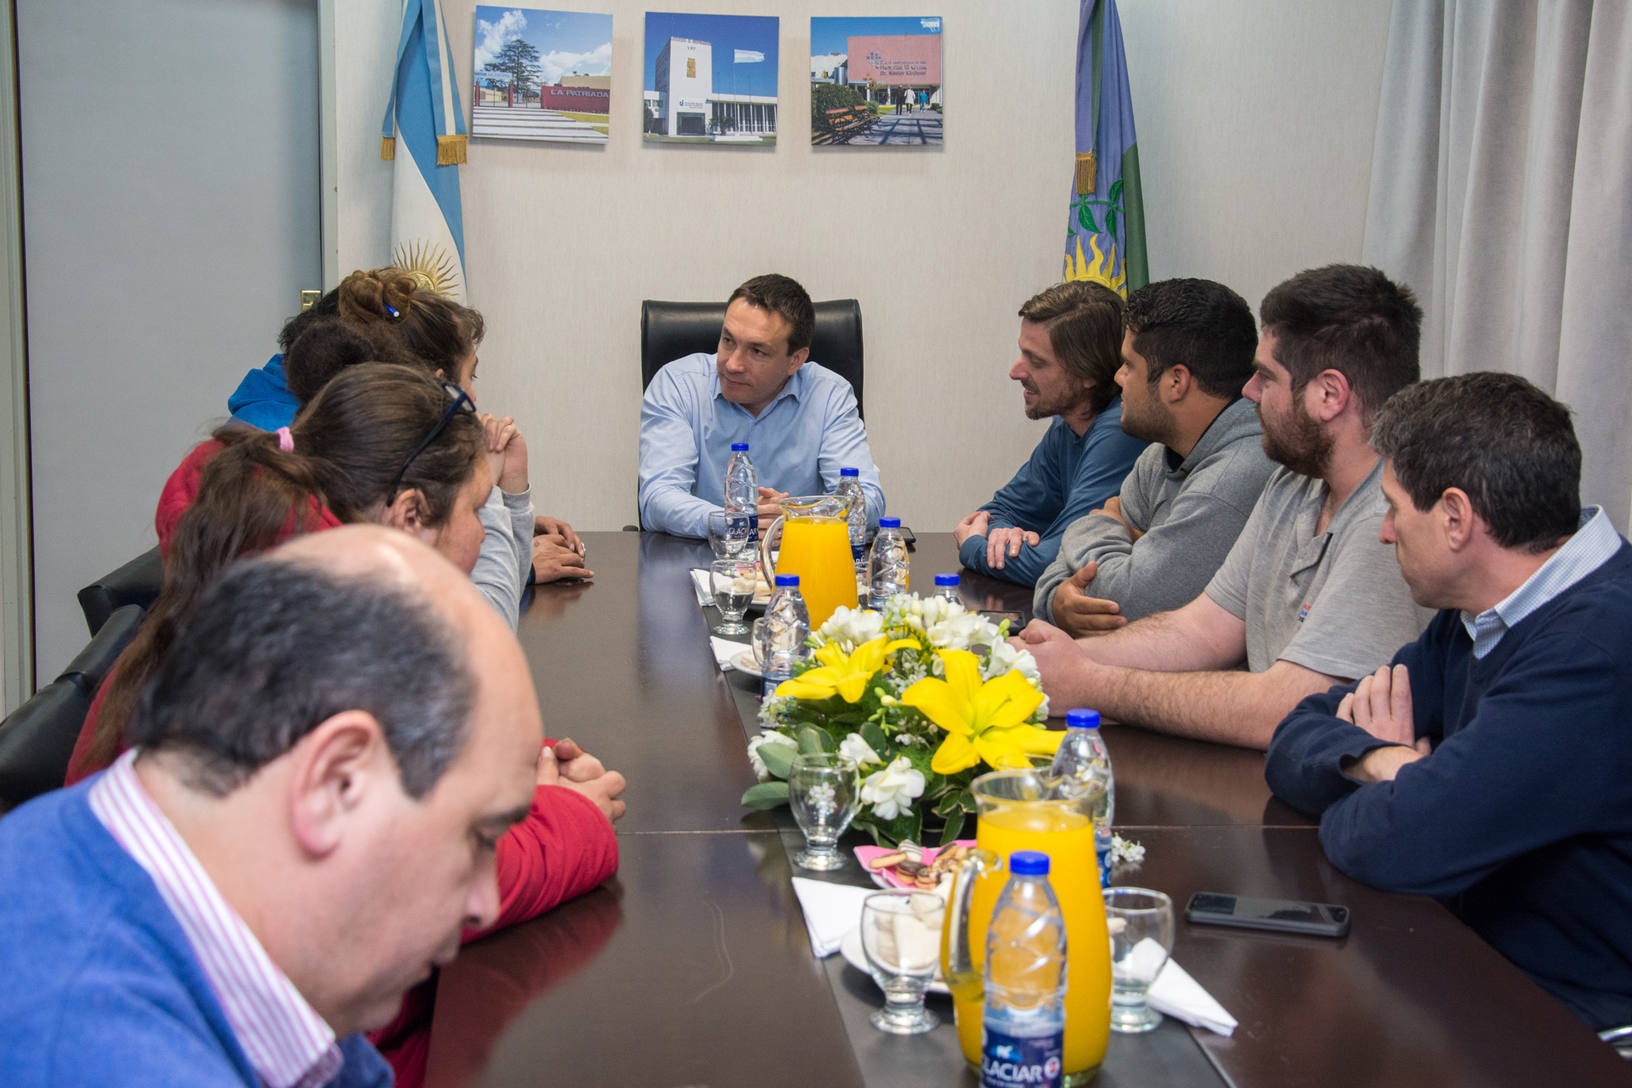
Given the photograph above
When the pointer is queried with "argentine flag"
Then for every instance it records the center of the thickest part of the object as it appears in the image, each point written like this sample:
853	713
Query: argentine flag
424	134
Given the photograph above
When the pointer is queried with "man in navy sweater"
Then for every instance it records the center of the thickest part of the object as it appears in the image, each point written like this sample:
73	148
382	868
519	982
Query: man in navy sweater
1487	765
322	768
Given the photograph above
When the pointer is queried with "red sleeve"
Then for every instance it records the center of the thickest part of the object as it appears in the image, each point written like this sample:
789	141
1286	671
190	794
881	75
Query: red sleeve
180	490
564	847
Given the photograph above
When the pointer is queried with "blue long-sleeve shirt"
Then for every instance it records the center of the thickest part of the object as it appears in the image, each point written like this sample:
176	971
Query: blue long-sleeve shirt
798	442
1066	477
1521	818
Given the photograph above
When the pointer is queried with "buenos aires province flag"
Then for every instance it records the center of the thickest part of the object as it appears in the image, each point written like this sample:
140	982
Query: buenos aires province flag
424	134
1105	231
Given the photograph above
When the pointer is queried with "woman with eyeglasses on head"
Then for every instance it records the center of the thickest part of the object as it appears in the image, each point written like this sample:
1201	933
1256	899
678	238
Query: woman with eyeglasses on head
391	445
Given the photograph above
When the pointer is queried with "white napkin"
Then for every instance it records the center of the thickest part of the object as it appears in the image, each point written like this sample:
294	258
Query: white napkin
831	911
1176	994
726	651
699	582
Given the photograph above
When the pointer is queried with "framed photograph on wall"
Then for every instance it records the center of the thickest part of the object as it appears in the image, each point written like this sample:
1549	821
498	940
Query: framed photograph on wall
876	82
541	75
710	79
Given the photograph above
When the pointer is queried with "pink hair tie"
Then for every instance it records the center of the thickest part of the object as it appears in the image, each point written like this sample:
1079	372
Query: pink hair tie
286	441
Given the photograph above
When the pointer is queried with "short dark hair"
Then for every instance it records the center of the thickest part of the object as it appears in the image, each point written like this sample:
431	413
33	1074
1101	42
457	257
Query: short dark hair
1507	444
327	306
330	345
781	295
278	647
1202	325
1084	323
1351	319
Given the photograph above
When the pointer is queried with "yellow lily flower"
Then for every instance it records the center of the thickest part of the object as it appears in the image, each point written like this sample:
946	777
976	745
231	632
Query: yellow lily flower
841	674
983	720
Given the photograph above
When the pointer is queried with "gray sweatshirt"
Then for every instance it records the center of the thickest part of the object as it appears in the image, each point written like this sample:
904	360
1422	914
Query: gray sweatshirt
1190	513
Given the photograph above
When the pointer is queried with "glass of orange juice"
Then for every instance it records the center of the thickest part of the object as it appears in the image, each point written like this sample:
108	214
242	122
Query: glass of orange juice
816	547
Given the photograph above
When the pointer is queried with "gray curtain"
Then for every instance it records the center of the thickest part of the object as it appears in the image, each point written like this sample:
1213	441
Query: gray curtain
1501	191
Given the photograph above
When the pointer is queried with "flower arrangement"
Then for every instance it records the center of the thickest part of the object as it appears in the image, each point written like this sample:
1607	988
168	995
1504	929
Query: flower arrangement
924	696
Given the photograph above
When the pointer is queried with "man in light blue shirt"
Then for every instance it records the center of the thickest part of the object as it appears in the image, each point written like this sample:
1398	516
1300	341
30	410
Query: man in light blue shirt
799	419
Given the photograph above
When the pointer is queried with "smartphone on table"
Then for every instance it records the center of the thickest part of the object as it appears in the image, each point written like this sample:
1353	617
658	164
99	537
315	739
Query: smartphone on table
1276	915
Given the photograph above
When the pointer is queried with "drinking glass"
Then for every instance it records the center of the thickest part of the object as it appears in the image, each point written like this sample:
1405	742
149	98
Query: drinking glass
824	792
901	936
1140	922
728	533
733	582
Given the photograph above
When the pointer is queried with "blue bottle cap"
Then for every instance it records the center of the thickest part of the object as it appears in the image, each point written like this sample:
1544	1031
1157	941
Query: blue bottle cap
889	523
1082	719
946	579
849	472
1028	863
738	447
787	579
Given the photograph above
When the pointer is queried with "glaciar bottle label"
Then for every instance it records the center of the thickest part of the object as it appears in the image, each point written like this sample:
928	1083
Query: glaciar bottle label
1007	1061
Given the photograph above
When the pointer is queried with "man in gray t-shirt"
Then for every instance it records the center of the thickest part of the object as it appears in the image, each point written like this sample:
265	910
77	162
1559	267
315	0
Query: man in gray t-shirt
1307	597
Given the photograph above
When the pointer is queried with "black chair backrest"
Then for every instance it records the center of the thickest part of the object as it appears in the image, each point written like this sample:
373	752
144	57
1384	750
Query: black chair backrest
670	330
137	582
92	665
37	739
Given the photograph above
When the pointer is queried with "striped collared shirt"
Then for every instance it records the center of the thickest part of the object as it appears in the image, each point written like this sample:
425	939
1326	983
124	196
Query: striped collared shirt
1590	547
286	1041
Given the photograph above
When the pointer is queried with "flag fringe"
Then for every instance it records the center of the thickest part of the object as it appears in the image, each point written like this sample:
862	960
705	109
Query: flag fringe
450	150
388	148
1087	172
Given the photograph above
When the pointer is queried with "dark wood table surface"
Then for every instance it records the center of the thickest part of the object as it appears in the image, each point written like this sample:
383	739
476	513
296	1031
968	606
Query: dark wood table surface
693	965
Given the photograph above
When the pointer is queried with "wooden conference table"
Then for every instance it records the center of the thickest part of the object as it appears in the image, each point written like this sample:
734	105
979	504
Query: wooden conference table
693	966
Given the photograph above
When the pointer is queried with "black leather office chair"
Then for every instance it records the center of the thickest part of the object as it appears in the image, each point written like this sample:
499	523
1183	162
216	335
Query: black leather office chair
137	582
37	739
669	330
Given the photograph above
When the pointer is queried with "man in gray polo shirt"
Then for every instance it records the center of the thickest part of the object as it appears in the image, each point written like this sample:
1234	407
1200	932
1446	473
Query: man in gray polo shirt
1308	596
1187	349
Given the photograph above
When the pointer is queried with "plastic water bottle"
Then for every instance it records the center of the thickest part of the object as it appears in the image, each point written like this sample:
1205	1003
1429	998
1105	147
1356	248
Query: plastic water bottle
855	503
946	585
742	486
1082	758
887	573
1022	1039
787	626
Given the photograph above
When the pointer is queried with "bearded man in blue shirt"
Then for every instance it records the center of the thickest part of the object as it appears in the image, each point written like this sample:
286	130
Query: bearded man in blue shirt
1070	351
800	419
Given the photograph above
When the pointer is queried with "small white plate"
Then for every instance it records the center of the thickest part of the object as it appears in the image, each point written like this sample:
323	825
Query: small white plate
745	663
850	948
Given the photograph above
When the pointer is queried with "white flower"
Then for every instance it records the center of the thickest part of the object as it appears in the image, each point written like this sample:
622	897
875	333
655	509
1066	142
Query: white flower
892	791
859	750
851	627
959	632
1126	851
760	741
1005	658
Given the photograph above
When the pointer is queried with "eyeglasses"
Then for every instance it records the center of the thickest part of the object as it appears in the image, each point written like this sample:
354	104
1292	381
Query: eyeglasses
461	401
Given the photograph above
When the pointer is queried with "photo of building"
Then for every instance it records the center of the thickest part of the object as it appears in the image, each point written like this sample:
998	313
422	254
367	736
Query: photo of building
711	79
876	82
541	75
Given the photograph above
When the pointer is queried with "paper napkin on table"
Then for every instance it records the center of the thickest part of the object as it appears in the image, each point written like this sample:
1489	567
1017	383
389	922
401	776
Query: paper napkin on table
726	651
699	582
831	911
1176	994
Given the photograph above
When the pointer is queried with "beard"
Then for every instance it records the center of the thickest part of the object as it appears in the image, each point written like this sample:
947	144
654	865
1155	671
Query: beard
1298	442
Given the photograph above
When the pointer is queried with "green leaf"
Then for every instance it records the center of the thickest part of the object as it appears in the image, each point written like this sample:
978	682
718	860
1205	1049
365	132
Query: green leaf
954	824
778	758
1086	218
873	734
948	805
813	742
1116	191
1110	222
766	795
